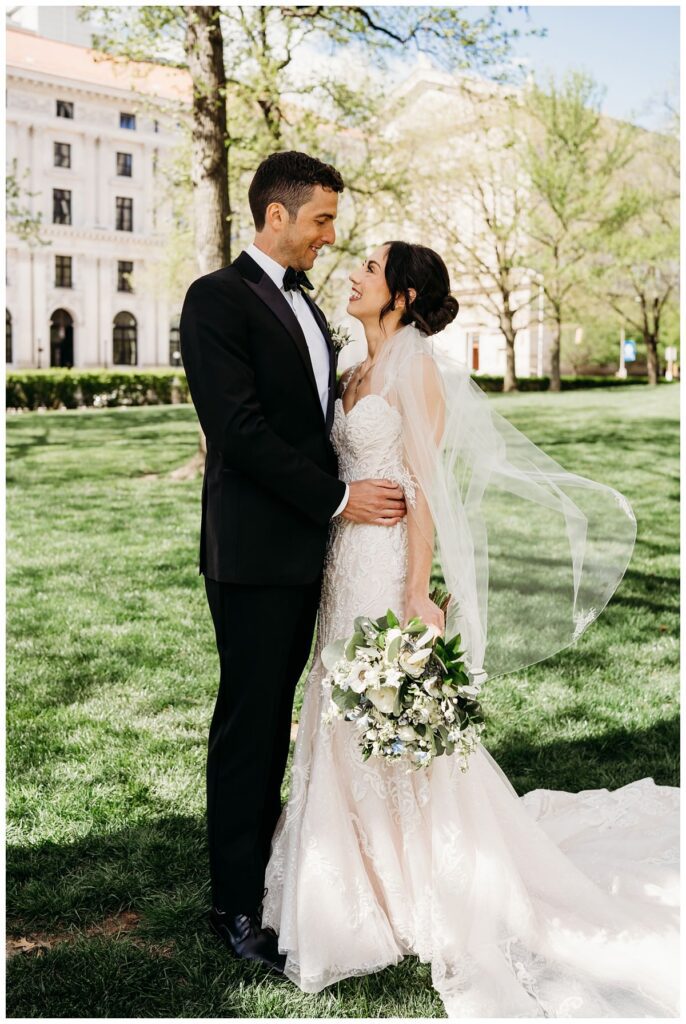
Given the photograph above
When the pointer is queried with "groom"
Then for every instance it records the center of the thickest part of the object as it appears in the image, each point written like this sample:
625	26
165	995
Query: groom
262	374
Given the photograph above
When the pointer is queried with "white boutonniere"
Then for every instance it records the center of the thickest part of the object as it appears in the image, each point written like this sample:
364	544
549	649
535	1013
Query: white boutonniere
340	337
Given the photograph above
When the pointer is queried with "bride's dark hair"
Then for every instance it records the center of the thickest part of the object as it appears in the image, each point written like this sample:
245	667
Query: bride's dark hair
420	268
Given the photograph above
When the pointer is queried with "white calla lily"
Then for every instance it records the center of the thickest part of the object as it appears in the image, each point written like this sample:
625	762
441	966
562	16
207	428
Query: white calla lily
383	699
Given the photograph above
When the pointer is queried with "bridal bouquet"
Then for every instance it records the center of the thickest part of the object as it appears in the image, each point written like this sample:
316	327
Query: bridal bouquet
406	690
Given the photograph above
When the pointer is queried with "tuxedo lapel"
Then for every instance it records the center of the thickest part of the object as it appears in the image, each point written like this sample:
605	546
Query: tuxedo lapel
265	289
322	322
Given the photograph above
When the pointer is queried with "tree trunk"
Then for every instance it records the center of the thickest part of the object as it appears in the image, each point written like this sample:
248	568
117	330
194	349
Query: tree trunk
203	46
555	357
652	360
510	381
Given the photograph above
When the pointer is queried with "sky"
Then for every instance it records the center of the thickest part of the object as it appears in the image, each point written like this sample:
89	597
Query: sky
632	51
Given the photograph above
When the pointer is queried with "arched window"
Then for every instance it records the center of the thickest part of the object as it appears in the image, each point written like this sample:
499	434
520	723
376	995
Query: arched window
124	340
174	342
61	338
8	336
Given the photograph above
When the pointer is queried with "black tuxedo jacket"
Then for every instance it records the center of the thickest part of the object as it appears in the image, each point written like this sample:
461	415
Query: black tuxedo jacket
271	483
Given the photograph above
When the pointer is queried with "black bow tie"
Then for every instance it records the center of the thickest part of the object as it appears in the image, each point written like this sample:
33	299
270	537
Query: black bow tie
294	279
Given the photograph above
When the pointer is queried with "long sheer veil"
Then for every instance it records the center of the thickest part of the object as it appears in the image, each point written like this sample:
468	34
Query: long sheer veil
530	552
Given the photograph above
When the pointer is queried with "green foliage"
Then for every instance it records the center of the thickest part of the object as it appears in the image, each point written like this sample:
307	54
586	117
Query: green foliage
269	107
19	217
71	389
574	160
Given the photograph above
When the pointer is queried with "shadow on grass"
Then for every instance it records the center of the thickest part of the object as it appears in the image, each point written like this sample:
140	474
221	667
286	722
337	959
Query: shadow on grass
171	966
610	760
75	882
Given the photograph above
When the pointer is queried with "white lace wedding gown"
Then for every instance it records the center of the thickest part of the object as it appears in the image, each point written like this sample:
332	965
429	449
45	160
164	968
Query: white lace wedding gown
554	904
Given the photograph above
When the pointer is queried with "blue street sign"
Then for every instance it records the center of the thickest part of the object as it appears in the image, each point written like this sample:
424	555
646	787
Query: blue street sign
629	351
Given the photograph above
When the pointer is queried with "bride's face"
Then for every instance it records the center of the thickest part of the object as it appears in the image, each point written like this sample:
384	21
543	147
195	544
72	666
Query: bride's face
369	292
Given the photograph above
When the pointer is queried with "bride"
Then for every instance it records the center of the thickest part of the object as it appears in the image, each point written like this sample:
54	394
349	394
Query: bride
550	905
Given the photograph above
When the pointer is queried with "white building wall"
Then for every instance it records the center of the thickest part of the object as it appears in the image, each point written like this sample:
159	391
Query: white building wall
91	240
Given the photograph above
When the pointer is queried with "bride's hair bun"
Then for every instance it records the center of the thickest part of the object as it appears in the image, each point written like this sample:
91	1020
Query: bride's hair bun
420	269
439	318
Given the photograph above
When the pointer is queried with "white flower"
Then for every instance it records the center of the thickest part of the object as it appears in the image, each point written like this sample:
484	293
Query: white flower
356	679
414	662
383	698
391	635
469	691
432	632
407	733
372	678
394	677
430	686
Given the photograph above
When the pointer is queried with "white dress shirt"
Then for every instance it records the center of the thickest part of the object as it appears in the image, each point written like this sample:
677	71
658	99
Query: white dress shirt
316	343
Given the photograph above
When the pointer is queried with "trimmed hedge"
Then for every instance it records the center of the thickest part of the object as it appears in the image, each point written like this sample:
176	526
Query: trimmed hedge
569	383
75	389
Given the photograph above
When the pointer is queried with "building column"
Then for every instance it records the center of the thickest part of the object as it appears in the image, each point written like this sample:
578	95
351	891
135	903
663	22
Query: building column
105	314
162	332
103	217
41	314
21	308
147	332
86	351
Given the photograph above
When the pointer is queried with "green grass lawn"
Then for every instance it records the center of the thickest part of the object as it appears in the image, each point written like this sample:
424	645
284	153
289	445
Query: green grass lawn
111	679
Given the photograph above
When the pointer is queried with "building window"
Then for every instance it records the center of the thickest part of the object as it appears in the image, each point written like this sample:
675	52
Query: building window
65	109
8	336
63	272
124	214
124	165
62	154
175	342
473	349
127	121
124	338
61	206
61	339
124	272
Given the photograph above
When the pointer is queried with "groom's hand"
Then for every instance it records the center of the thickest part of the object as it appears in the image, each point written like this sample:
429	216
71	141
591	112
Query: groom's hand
380	502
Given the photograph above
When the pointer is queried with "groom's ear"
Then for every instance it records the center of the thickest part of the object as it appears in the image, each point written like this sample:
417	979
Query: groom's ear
276	216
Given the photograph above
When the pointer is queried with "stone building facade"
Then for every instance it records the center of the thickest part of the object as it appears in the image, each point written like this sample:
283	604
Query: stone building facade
85	142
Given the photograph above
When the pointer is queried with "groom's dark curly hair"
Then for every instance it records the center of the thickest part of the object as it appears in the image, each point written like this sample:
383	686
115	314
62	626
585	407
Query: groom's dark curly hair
289	178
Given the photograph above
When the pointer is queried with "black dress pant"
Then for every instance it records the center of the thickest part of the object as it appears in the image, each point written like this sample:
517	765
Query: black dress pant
264	636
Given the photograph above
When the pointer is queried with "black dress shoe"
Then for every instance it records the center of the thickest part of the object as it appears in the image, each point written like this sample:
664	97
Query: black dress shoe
247	939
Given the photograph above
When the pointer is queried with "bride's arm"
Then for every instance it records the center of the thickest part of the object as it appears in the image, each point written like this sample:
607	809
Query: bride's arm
427	413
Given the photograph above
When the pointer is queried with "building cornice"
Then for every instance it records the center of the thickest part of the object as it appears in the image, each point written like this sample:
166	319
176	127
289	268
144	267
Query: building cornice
72	126
75	235
77	87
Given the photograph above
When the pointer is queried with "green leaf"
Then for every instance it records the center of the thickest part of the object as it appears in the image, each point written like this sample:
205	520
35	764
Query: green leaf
415	626
356	640
392	619
394	648
344	699
333	653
